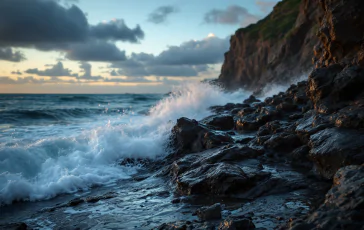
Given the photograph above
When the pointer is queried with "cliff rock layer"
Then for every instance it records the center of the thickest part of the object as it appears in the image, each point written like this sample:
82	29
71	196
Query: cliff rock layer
275	49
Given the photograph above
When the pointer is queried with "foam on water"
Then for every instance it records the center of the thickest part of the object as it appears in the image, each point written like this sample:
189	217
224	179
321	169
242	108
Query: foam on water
54	165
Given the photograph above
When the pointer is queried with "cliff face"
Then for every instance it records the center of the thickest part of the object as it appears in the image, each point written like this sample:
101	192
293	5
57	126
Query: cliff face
341	33
275	49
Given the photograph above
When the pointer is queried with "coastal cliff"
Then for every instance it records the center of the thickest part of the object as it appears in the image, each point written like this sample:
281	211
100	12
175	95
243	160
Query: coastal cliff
275	49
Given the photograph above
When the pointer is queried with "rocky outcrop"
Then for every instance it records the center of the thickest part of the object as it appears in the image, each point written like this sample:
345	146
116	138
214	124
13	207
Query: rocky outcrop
276	49
340	33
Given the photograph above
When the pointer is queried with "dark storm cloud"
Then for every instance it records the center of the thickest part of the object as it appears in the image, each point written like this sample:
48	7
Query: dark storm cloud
232	15
86	69
117	30
47	25
56	71
188	60
100	51
160	14
8	54
27	22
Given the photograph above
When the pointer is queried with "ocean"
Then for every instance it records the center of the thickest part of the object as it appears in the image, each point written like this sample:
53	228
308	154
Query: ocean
51	145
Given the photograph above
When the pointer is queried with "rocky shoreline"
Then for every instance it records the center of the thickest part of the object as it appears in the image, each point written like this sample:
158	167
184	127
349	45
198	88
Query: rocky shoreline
266	152
293	161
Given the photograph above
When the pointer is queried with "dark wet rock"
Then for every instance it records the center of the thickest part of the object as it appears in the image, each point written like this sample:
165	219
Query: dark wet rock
344	204
224	122
351	116
220	178
225	154
236	224
275	127
311	124
14	226
230	154
94	199
228	107
283	142
244	140
246	111
331	88
209	212
186	225
247	125
251	100
296	116
334	148
189	137
299	157
286	107
75	202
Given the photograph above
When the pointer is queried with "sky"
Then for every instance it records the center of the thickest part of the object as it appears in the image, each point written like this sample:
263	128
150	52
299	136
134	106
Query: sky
117	46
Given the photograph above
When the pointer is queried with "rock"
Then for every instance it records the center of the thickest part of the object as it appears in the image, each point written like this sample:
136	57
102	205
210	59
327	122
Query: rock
14	226
340	33
331	88
299	157
75	202
257	59
344	204
219	178
94	199
351	116
188	136
251	100
222	122
247	125
236	224
209	213
228	107
285	142
310	124
334	148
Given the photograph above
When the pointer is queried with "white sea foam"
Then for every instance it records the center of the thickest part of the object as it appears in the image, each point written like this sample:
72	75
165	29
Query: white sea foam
51	166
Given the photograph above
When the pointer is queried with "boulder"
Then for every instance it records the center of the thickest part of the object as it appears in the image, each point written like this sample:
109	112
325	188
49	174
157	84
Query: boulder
251	99
224	122
188	136
344	203
219	179
210	212
334	148
236	224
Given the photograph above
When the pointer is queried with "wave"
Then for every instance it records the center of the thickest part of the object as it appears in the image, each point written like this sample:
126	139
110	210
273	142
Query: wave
58	114
48	167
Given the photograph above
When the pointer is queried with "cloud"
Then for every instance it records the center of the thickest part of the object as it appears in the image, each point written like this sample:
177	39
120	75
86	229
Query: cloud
232	15
186	60
86	69
8	54
20	80
160	14
47	25
117	30
56	71
266	6
16	72
100	51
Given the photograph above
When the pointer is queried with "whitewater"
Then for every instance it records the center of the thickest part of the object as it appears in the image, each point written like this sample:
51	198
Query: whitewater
62	144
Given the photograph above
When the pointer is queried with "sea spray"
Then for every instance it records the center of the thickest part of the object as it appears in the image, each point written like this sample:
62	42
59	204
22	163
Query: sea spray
41	167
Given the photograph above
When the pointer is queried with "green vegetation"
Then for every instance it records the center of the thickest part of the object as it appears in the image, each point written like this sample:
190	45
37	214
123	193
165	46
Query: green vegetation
277	24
